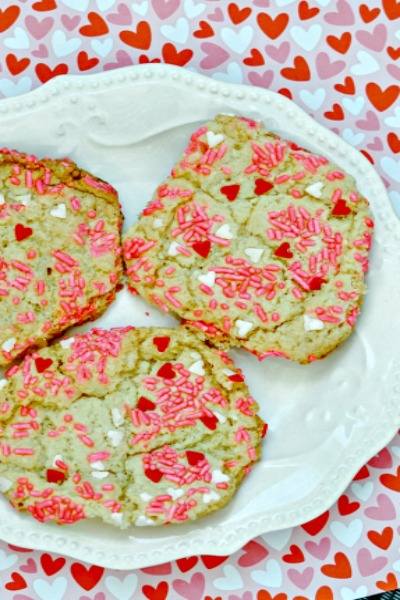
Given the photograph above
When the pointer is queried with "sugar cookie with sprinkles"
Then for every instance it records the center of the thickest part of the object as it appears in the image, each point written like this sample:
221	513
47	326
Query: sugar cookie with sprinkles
256	242
135	426
60	250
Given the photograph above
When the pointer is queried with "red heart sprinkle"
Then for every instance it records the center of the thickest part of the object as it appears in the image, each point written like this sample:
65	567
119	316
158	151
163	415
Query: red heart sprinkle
264	430
153	474
54	476
283	251
262	186
162	343
194	457
236	377
202	248
341	209
21	232
166	371
210	422
42	364
145	404
230	191
316	283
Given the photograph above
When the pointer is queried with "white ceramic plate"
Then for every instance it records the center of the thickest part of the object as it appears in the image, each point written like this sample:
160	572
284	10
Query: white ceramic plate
326	419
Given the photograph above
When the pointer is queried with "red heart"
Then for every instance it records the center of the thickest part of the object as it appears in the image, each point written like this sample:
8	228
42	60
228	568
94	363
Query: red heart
368	156
324	593
50	566
347	87
262	186
254	553
283	251
389	584
8	17
336	114
394	142
340	44
17	583
202	248
166	371
363	473
392	9
230	191
185	564
211	562
391	481
340	569
394	53
16	66
383	539
97	26
154	474
21	232
368	14
44	5
194	457
145	404
273	28
316	283
44	72
163	569
316	525
264	595
42	364
305	12
341	209
205	30
54	476
237	378
162	343
143	59
299	72
172	56
382	460
255	59
382	99
346	507
141	38
238	15
285	92
210	422
158	593
295	556
86	578
85	63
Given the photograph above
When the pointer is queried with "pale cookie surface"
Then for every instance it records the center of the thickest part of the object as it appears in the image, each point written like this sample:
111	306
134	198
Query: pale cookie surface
60	249
256	242
135	426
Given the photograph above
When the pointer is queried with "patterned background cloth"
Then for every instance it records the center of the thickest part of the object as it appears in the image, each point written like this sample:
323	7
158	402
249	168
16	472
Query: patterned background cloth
340	62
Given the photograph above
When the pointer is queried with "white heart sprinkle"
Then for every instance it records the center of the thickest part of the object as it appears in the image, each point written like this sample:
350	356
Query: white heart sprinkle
208	279
243	327
5	484
3	382
197	367
174	493
115	437
225	232
219	477
312	324
60	211
213	139
56	458
100	474
228	372
2	199
142	521
173	249
157	223
97	465
117	517
195	355
315	189
117	417
145	497
24	199
9	344
221	418
67	343
207	497
254	254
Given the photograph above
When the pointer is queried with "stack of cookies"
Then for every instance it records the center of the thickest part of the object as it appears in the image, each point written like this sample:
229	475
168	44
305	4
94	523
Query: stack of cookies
252	241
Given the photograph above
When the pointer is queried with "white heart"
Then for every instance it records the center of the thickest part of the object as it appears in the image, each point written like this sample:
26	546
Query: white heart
353	138
174	493
231	581
209	496
157	223
312	324
7	560
254	254
20	41
9	344
284	2
324	2
80	5
391	167
392	121
348	594
315	189
306	38
143	521
193	10
117	417
173	249
102	48
313	100
396	565
271	576
237	40
100	474
354	105
60	211
219	477
5	484
197	367
145	496
3	383
54	590
115	437
62	46
208	279
56	458
224	232
278	539
362	490
221	418
234	74
395	198
243	327
67	343
105	4
24	198
366	65
2	199
10	88
213	139
395	450
122	590
141	9
347	534
179	33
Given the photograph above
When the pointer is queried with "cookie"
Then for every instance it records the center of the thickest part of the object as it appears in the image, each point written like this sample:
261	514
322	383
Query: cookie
135	426
60	251
256	242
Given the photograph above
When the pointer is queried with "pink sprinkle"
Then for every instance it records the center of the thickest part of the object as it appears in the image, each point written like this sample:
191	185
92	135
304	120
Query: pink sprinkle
296	193
86	440
103	455
275	316
23	451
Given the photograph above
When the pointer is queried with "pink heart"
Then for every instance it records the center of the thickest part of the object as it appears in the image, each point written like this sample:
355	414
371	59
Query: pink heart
320	550
254	553
193	590
385	511
216	56
217	15
123	60
70	22
376	144
22	597
374	40
382	460
246	596
38	29
301	578
122	17
41	52
326	68
98	596
279	54
394	71
29	567
343	16
262	3
370	123
262	80
163	569
368	565
165	8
